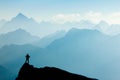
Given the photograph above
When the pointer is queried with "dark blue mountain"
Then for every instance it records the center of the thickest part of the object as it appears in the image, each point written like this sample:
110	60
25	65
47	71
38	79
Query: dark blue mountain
30	25
6	74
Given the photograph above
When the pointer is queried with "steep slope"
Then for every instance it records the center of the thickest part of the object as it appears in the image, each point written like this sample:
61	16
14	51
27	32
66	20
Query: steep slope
19	36
28	72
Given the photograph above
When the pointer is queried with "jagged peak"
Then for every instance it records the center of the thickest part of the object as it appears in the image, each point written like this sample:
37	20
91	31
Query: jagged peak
20	15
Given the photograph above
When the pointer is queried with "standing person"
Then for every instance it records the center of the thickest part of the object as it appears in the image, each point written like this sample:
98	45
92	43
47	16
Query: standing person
27	58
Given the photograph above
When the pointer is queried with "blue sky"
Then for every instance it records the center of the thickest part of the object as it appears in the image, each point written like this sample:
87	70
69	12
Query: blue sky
43	9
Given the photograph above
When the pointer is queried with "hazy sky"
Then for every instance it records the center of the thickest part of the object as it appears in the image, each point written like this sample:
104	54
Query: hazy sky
58	10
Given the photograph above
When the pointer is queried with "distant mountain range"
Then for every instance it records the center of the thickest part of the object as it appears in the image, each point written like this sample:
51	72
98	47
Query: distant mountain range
2	22
20	21
87	52
29	25
104	27
44	28
21	37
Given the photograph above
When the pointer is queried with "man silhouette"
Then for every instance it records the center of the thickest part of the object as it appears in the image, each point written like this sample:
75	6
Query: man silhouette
27	58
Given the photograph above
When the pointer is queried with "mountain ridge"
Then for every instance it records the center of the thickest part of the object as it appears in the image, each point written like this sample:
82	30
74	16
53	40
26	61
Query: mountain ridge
45	27
18	36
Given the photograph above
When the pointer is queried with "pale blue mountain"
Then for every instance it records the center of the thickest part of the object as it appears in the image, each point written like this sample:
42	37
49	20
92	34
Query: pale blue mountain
45	41
20	21
105	28
30	25
18	36
41	29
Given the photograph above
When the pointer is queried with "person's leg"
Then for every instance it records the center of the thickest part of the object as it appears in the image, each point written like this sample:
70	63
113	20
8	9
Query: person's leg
28	60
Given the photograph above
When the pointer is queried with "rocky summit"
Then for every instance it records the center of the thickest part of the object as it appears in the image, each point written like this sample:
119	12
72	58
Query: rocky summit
29	72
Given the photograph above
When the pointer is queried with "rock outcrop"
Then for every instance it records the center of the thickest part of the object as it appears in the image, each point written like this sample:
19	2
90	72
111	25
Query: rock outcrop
28	72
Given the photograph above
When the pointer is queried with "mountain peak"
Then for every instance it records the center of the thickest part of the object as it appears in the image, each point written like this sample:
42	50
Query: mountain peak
20	17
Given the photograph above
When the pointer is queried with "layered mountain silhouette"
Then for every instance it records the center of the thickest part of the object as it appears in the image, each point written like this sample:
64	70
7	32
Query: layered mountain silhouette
28	24
44	28
2	22
18	36
28	72
19	21
90	52
87	52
